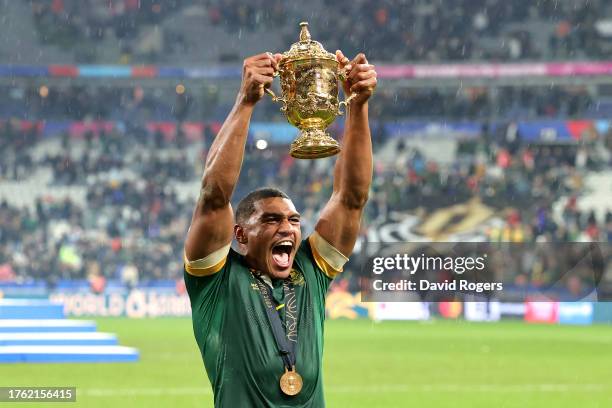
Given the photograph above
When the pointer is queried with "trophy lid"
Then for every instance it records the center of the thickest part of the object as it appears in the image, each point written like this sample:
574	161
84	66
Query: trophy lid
307	48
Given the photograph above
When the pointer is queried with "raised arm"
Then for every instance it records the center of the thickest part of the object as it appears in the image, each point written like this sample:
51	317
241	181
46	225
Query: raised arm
341	217
212	221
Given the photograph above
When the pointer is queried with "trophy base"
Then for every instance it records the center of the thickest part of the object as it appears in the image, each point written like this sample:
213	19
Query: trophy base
314	144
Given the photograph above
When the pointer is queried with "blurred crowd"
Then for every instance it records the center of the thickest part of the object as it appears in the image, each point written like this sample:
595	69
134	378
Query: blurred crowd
137	104
139	184
100	102
522	181
59	22
484	102
413	30
393	30
123	225
131	219
15	150
132	222
111	153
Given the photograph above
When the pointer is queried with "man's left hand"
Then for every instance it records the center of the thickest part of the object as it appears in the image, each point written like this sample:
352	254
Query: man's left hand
360	78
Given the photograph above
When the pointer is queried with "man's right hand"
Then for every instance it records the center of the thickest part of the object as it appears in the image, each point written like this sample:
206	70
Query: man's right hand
257	74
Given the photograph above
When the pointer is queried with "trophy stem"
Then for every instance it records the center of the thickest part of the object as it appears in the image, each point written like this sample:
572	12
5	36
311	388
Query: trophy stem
314	143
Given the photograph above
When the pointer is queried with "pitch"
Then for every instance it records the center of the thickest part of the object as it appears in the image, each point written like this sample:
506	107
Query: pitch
366	364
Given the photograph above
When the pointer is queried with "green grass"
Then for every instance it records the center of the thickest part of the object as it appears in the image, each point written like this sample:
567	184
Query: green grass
390	364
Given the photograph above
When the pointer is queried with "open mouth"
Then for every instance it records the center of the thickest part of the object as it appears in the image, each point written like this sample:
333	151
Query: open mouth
281	253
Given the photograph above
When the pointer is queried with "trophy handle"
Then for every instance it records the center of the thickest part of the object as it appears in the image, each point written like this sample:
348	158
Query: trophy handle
345	103
276	98
273	95
343	74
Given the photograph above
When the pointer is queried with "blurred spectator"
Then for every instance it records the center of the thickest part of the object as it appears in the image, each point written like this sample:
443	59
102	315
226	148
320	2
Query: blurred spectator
138	105
132	224
396	30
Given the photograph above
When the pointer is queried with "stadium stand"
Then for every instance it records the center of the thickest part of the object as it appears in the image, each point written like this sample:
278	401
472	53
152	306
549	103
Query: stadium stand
137	104
135	197
141	31
100	174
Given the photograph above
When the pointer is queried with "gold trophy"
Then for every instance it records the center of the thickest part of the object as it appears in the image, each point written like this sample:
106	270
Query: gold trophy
309	83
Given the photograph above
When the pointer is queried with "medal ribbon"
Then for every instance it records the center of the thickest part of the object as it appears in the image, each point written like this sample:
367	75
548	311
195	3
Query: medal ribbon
286	337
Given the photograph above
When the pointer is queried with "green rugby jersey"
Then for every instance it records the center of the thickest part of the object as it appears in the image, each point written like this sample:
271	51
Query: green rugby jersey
235	338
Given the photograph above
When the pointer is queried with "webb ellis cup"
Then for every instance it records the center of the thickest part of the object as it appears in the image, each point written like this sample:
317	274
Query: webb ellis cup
309	83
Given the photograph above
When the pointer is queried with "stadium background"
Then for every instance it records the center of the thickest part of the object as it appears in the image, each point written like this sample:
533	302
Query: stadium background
491	123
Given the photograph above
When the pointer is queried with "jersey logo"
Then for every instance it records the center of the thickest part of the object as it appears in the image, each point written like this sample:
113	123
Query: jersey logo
297	278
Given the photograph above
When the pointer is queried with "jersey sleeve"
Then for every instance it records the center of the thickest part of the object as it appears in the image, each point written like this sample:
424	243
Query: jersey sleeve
208	265
319	270
206	295
329	260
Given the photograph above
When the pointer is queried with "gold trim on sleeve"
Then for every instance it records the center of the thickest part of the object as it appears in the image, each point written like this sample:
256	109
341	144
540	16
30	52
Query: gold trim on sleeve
328	259
209	265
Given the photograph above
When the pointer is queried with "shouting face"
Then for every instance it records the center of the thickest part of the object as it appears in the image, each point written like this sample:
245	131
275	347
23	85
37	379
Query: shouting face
271	236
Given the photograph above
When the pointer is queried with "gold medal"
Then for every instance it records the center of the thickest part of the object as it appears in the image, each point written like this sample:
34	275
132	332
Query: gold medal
291	382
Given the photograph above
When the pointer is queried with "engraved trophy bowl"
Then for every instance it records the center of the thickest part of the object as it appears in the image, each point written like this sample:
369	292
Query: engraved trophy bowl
309	83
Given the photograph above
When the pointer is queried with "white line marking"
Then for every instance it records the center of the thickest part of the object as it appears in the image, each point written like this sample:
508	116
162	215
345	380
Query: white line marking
114	392
468	388
45	323
57	336
71	350
28	302
371	389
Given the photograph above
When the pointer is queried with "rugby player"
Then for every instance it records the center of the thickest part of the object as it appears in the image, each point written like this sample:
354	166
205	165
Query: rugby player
258	312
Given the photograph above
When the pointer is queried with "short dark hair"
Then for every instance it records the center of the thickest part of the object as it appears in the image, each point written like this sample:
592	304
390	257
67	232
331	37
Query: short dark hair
246	206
